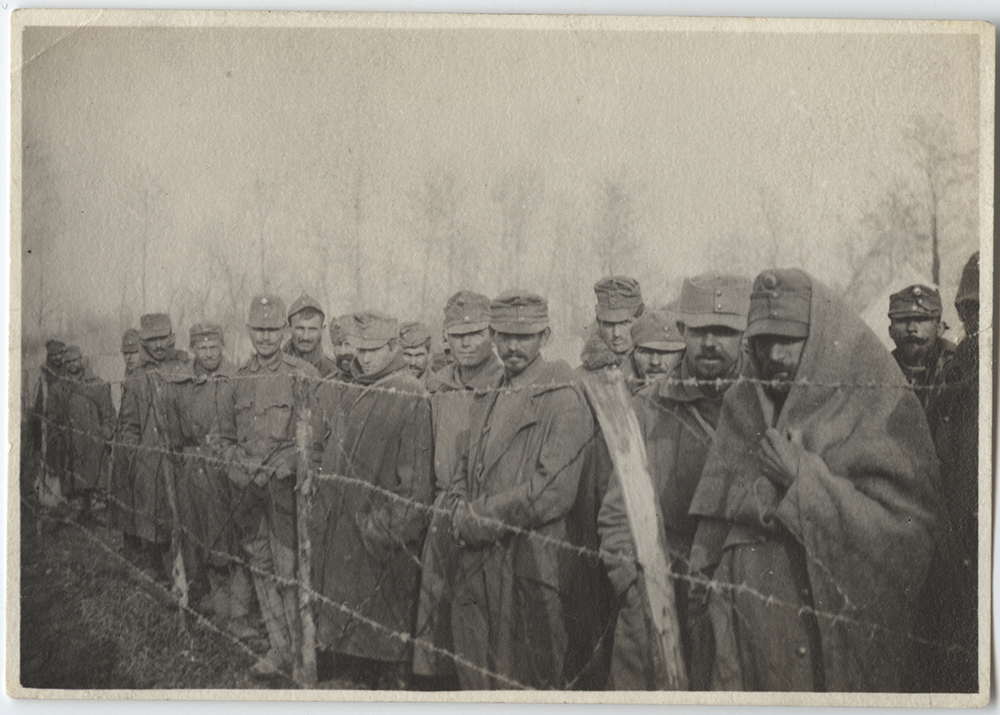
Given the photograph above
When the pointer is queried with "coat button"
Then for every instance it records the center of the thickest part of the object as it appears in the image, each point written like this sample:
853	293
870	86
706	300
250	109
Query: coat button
801	651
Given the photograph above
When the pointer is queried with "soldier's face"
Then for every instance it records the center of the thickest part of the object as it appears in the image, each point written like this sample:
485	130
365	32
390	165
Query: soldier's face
74	366
266	341
777	358
617	336
208	355
712	351
55	360
373	360
471	349
132	361
519	351
913	336
157	347
650	362
416	359
306	332
344	356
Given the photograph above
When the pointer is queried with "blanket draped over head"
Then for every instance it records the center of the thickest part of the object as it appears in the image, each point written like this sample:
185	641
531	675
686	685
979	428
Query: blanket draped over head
850	539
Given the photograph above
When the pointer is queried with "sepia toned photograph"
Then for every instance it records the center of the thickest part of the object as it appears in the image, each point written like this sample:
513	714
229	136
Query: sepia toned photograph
500	358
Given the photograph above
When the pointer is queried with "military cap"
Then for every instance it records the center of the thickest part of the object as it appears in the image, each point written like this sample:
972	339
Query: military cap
715	299
55	347
267	311
72	352
155	325
780	304
968	286
656	332
466	312
338	329
917	301
302	302
413	335
204	332
131	341
519	313
618	298
370	330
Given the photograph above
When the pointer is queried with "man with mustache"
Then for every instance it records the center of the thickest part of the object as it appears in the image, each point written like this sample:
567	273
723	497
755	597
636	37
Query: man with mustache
415	342
815	507
305	321
659	348
678	416
921	351
515	483
619	304
476	370
256	439
144	444
343	353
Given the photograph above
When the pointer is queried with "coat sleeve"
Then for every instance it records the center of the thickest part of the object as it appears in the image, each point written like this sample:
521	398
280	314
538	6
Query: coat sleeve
548	493
106	412
413	472
617	547
131	417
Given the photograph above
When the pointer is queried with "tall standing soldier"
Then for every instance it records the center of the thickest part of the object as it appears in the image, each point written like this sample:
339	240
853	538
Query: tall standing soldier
257	427
306	322
50	411
515	485
145	445
121	506
372	510
678	418
343	353
476	370
619	304
91	419
204	496
921	351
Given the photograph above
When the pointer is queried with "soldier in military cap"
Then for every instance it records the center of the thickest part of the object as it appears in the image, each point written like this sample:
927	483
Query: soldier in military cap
50	410
306	320
372	526
915	326
517	480
343	353
90	417
619	304
131	345
678	417
659	347
211	545
415	341
816	495
257	424
144	446
120	508
476	369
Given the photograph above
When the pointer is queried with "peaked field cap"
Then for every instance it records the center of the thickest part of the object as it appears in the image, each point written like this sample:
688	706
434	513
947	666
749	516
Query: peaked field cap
205	332
520	313
618	298
413	334
715	299
466	312
302	302
131	341
266	311
657	332
56	347
780	304
155	325
916	301
339	331
968	286
72	352
371	330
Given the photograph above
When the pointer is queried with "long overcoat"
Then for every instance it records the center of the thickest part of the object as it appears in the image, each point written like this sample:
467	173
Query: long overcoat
91	418
522	467
371	512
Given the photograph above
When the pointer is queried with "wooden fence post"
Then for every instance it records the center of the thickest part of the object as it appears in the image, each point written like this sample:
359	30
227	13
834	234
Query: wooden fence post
180	587
306	658
610	399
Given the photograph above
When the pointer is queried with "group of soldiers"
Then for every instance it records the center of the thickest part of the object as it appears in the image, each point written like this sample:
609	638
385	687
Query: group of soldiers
816	496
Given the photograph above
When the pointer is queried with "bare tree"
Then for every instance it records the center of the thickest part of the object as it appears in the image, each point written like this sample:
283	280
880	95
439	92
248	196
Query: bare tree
519	194
615	237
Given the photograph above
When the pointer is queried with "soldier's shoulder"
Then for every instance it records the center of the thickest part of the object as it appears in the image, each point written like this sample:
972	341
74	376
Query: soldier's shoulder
404	381
557	375
299	366
327	367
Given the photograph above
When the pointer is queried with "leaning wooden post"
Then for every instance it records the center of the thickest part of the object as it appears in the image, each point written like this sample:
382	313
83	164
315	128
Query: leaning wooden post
610	399
306	666
180	587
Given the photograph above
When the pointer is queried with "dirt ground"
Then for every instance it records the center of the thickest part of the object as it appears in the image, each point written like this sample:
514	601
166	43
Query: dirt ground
88	620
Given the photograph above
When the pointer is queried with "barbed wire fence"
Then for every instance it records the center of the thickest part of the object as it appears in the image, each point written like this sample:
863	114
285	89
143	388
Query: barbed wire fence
307	478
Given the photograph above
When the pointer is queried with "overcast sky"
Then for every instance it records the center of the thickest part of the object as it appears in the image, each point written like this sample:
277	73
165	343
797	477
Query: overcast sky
388	168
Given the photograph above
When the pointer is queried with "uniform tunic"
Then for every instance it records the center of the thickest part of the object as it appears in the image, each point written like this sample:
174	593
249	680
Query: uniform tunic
450	404
145	449
380	437
91	419
522	467
928	377
317	358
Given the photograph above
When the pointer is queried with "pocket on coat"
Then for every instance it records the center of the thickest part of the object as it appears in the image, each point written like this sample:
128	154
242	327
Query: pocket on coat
278	417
